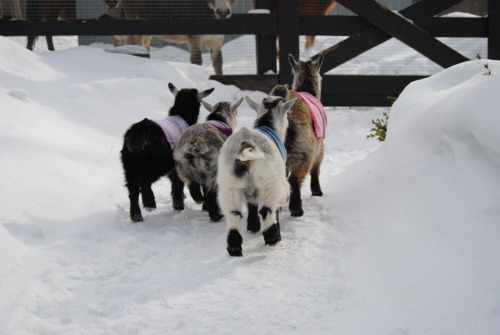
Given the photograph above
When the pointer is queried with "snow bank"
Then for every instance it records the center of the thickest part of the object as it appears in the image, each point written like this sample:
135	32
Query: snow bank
426	207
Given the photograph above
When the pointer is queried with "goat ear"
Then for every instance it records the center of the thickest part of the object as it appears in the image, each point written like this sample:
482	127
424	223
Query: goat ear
208	106
292	61
252	103
205	93
287	105
319	61
235	105
173	89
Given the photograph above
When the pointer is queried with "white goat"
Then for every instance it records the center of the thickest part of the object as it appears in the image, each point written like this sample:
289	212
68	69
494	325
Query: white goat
252	171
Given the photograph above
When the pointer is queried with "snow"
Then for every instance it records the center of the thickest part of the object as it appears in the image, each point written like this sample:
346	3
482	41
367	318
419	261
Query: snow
404	241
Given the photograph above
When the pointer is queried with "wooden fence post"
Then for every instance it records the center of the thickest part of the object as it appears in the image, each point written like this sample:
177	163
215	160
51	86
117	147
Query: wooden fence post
288	30
265	44
494	27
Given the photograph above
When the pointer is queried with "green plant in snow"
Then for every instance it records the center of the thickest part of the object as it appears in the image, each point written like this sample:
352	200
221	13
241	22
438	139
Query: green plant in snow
488	70
380	128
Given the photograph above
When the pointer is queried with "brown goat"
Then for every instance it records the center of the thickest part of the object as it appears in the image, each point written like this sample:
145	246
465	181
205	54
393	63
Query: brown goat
305	134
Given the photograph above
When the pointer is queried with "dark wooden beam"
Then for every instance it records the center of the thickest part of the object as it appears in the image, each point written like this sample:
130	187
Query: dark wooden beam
265	45
372	36
237	24
494	29
405	31
337	90
288	30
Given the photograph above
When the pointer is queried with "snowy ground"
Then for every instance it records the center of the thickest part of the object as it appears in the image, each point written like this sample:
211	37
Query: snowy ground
403	242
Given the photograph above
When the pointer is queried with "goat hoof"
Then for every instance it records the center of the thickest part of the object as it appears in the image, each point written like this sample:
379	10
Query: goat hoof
216	217
178	207
296	212
234	242
136	217
254	228
234	251
272	235
318	193
150	209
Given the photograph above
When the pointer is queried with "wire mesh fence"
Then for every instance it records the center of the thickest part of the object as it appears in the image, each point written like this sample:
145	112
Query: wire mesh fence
238	51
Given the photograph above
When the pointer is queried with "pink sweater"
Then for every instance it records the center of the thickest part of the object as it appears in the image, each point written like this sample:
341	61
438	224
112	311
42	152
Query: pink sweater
318	113
173	127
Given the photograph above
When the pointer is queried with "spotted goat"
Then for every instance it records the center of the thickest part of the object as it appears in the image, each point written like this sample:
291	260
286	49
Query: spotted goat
197	153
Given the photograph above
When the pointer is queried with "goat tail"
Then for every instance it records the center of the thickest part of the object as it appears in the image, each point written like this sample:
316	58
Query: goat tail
249	152
198	145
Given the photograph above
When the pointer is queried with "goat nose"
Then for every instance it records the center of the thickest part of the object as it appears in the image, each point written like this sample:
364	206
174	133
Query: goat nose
223	14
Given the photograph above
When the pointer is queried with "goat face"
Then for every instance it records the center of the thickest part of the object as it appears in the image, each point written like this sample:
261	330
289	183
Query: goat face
221	8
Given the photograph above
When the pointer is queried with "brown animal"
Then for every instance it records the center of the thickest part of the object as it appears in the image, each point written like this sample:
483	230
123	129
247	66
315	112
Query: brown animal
305	149
205	9
49	10
312	7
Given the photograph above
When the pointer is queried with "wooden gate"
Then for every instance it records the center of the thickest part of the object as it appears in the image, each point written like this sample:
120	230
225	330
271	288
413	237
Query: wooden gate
374	24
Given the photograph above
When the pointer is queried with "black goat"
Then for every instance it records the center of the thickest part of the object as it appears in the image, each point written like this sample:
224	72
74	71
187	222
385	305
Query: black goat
147	152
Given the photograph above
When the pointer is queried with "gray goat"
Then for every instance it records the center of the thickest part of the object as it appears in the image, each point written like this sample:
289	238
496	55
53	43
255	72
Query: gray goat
197	154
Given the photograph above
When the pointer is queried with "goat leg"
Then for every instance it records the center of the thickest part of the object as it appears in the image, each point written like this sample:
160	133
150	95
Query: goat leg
213	206
253	220
148	197
195	191
177	192
133	194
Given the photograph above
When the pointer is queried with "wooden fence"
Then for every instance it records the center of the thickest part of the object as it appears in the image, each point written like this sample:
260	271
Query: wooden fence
417	26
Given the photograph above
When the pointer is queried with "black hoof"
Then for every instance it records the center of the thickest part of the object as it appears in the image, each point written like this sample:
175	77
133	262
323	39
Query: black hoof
150	209
149	205
136	217
234	242
178	207
272	235
235	252
216	217
317	193
296	212
253	227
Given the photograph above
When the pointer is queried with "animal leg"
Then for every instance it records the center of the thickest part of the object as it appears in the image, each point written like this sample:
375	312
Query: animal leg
230	202
310	41
213	206
195	191
133	195
253	220
195	49
214	45
50	43
271	230
315	186
177	192
148	197
295	204
31	42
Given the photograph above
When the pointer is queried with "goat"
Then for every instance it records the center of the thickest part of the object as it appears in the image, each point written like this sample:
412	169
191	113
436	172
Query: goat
252	171
147	151
197	153
49	10
306	130
155	9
